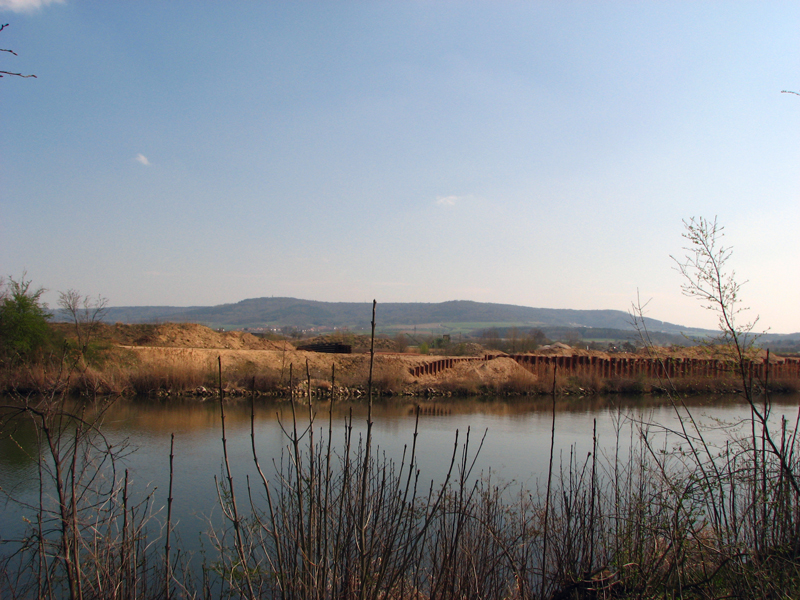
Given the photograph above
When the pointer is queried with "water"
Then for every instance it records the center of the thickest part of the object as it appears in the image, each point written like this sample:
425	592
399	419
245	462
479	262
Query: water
515	448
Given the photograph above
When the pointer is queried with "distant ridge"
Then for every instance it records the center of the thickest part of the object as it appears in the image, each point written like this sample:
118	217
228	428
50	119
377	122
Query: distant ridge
304	314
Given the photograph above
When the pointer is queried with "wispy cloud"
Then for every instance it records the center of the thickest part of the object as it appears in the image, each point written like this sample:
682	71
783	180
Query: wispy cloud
26	6
447	200
141	158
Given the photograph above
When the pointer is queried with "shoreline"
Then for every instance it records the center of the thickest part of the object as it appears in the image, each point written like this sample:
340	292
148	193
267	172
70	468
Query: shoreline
194	373
184	360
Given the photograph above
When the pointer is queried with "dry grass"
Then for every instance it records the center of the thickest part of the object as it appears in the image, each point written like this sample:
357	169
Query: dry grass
784	385
149	369
174	371
519	381
389	376
461	386
37	378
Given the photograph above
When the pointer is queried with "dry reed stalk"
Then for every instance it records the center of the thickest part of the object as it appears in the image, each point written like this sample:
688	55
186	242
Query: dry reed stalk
167	561
233	515
362	524
549	482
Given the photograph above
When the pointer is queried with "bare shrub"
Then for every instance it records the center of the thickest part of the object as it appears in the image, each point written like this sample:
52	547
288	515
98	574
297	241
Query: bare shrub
169	374
740	502
625	385
460	386
355	375
587	383
400	342
786	385
248	375
519	381
389	376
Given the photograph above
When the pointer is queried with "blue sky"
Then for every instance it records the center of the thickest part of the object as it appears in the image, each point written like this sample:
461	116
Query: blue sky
541	153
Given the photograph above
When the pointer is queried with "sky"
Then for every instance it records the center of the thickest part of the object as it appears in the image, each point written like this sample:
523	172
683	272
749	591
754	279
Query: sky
541	154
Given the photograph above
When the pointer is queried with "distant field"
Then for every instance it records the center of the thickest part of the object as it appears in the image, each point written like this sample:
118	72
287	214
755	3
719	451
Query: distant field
459	327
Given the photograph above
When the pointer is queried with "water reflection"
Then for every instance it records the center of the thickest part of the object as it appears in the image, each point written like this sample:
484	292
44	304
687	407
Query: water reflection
515	449
514	425
18	450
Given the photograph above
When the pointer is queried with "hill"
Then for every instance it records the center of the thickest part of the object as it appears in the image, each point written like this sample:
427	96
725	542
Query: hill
457	315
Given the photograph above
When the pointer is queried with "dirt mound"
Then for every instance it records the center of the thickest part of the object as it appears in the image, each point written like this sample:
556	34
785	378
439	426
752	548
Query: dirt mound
559	349
496	372
359	343
467	349
498	369
189	335
714	352
175	335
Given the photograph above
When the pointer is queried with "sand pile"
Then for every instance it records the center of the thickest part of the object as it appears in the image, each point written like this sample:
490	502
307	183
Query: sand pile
184	335
189	335
496	372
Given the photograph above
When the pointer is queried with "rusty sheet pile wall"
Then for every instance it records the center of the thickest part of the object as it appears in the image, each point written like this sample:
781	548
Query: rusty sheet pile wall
613	368
437	366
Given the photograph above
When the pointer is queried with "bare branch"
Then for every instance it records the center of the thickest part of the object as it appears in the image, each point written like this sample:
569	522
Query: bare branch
706	277
16	74
15	54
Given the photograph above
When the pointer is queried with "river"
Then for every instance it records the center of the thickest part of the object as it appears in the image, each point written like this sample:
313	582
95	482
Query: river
515	448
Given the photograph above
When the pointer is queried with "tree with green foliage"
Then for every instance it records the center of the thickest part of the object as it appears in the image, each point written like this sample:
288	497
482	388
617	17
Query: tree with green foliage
24	332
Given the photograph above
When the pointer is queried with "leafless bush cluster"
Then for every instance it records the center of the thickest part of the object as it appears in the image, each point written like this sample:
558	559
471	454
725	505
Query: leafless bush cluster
86	538
661	513
168	375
